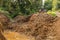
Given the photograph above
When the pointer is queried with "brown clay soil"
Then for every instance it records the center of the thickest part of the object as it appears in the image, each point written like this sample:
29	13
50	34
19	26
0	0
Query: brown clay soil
39	26
16	36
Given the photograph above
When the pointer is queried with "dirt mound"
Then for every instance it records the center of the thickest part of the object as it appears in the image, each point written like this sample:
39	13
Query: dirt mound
39	25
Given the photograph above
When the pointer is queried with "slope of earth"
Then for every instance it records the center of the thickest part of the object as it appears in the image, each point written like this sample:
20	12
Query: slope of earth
40	25
57	27
8	35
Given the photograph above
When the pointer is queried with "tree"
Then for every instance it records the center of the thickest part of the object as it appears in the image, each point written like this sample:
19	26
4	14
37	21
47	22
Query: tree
48	5
54	5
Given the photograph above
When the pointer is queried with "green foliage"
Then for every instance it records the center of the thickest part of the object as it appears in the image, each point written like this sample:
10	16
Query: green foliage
51	13
48	4
54	5
24	7
58	4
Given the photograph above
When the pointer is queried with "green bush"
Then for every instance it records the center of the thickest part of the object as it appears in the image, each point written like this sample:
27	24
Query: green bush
48	4
24	7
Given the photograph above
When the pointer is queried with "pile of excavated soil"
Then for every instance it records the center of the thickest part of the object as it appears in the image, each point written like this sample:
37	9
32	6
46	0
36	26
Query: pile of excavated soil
9	35
40	25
